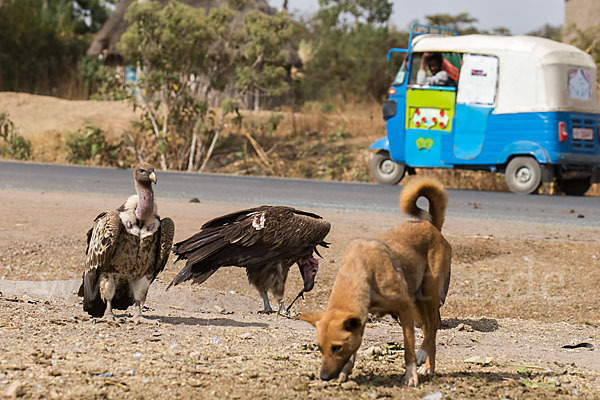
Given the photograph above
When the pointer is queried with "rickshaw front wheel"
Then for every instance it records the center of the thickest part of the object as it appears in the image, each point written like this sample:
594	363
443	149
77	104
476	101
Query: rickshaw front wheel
523	175
575	186
385	170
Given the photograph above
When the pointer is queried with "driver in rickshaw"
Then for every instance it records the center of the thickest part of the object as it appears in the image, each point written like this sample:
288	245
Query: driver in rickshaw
434	62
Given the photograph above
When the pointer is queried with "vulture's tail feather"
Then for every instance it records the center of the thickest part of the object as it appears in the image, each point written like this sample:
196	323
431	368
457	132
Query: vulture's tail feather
196	250
90	291
192	271
199	240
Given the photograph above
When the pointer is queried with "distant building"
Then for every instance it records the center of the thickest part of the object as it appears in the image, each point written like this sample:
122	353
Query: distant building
584	14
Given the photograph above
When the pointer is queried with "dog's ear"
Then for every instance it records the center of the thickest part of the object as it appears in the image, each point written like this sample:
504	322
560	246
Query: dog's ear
311	318
352	323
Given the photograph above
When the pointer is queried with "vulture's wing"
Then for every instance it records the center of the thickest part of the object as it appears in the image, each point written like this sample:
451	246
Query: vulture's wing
249	238
102	241
216	244
167	231
295	232
231	218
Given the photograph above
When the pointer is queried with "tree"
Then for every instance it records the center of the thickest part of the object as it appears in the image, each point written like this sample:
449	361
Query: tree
184	53
180	51
333	12
41	41
462	22
548	31
262	66
348	60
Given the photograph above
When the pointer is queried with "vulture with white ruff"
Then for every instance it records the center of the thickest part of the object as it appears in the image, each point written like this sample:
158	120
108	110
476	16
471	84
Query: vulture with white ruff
265	240
126	249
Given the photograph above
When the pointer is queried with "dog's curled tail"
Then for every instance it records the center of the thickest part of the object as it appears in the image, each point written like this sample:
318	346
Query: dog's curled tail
435	193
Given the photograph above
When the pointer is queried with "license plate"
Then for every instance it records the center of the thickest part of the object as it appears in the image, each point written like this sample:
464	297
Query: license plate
583	134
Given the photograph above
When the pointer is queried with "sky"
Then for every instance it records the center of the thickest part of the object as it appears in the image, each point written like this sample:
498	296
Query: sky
519	16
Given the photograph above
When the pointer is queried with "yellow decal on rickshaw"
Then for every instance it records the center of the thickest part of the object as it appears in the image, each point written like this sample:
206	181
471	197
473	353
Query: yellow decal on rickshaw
424	143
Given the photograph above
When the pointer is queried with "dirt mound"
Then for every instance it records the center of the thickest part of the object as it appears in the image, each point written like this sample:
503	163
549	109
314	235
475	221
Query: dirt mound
37	115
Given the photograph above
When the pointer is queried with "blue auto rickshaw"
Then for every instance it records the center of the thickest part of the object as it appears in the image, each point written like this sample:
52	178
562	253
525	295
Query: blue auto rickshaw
519	105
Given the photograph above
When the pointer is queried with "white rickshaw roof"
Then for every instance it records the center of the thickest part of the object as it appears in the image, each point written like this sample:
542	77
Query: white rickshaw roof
533	71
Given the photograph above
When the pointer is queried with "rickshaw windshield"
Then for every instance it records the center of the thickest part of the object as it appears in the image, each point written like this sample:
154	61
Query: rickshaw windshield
401	74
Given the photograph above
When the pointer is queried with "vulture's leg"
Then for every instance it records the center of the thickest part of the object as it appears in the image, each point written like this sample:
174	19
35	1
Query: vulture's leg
267	306
107	292
139	289
278	288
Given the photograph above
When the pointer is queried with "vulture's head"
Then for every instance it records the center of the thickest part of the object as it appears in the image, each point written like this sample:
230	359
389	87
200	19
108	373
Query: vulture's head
309	267
144	174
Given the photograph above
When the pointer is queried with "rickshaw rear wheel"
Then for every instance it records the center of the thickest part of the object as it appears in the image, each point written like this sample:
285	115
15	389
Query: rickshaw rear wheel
574	187
385	170
523	175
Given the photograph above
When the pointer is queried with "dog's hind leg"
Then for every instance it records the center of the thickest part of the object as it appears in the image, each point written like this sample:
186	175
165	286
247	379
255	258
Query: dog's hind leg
408	330
433	287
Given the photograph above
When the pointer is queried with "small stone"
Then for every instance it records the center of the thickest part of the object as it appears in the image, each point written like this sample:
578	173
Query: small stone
246	335
374	350
15	389
463	327
219	309
194	200
349	385
301	387
436	395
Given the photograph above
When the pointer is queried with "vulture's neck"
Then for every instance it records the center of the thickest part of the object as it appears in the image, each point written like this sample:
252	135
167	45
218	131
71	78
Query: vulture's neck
145	207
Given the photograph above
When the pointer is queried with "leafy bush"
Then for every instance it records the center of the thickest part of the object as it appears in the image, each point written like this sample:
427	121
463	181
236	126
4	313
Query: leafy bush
103	82
89	145
15	145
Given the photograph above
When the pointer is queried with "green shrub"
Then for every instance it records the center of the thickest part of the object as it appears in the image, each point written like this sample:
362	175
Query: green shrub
89	145
14	145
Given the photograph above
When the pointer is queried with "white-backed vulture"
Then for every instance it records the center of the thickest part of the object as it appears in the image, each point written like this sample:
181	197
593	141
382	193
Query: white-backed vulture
126	250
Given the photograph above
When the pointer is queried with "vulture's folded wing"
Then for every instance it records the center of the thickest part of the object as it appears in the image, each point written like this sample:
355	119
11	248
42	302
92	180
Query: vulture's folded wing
231	218
103	239
295	230
167	231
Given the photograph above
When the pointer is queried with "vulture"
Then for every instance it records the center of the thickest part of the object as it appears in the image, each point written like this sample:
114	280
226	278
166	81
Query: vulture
126	249
265	240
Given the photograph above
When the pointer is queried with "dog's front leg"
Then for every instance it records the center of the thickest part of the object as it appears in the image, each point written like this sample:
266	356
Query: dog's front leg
347	369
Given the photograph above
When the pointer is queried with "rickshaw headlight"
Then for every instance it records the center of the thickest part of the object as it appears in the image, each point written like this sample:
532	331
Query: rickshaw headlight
563	134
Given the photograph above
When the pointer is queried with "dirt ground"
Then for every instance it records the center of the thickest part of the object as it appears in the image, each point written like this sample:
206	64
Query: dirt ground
519	293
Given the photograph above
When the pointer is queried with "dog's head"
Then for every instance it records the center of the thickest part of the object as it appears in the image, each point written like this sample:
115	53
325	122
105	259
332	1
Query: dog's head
339	335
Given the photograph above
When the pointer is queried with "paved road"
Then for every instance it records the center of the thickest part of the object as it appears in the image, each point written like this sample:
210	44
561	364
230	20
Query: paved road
583	211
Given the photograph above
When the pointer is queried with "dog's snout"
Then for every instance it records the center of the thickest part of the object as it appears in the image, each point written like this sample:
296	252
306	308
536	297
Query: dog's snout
326	376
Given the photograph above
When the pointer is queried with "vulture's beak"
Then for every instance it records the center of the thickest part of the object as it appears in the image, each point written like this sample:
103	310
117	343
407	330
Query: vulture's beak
152	176
308	269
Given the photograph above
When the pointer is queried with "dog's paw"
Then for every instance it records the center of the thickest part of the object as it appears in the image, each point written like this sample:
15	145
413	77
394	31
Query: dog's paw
343	377
421	356
410	377
424	371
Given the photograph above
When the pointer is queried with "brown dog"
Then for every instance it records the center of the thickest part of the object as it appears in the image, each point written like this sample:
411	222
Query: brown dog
405	273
